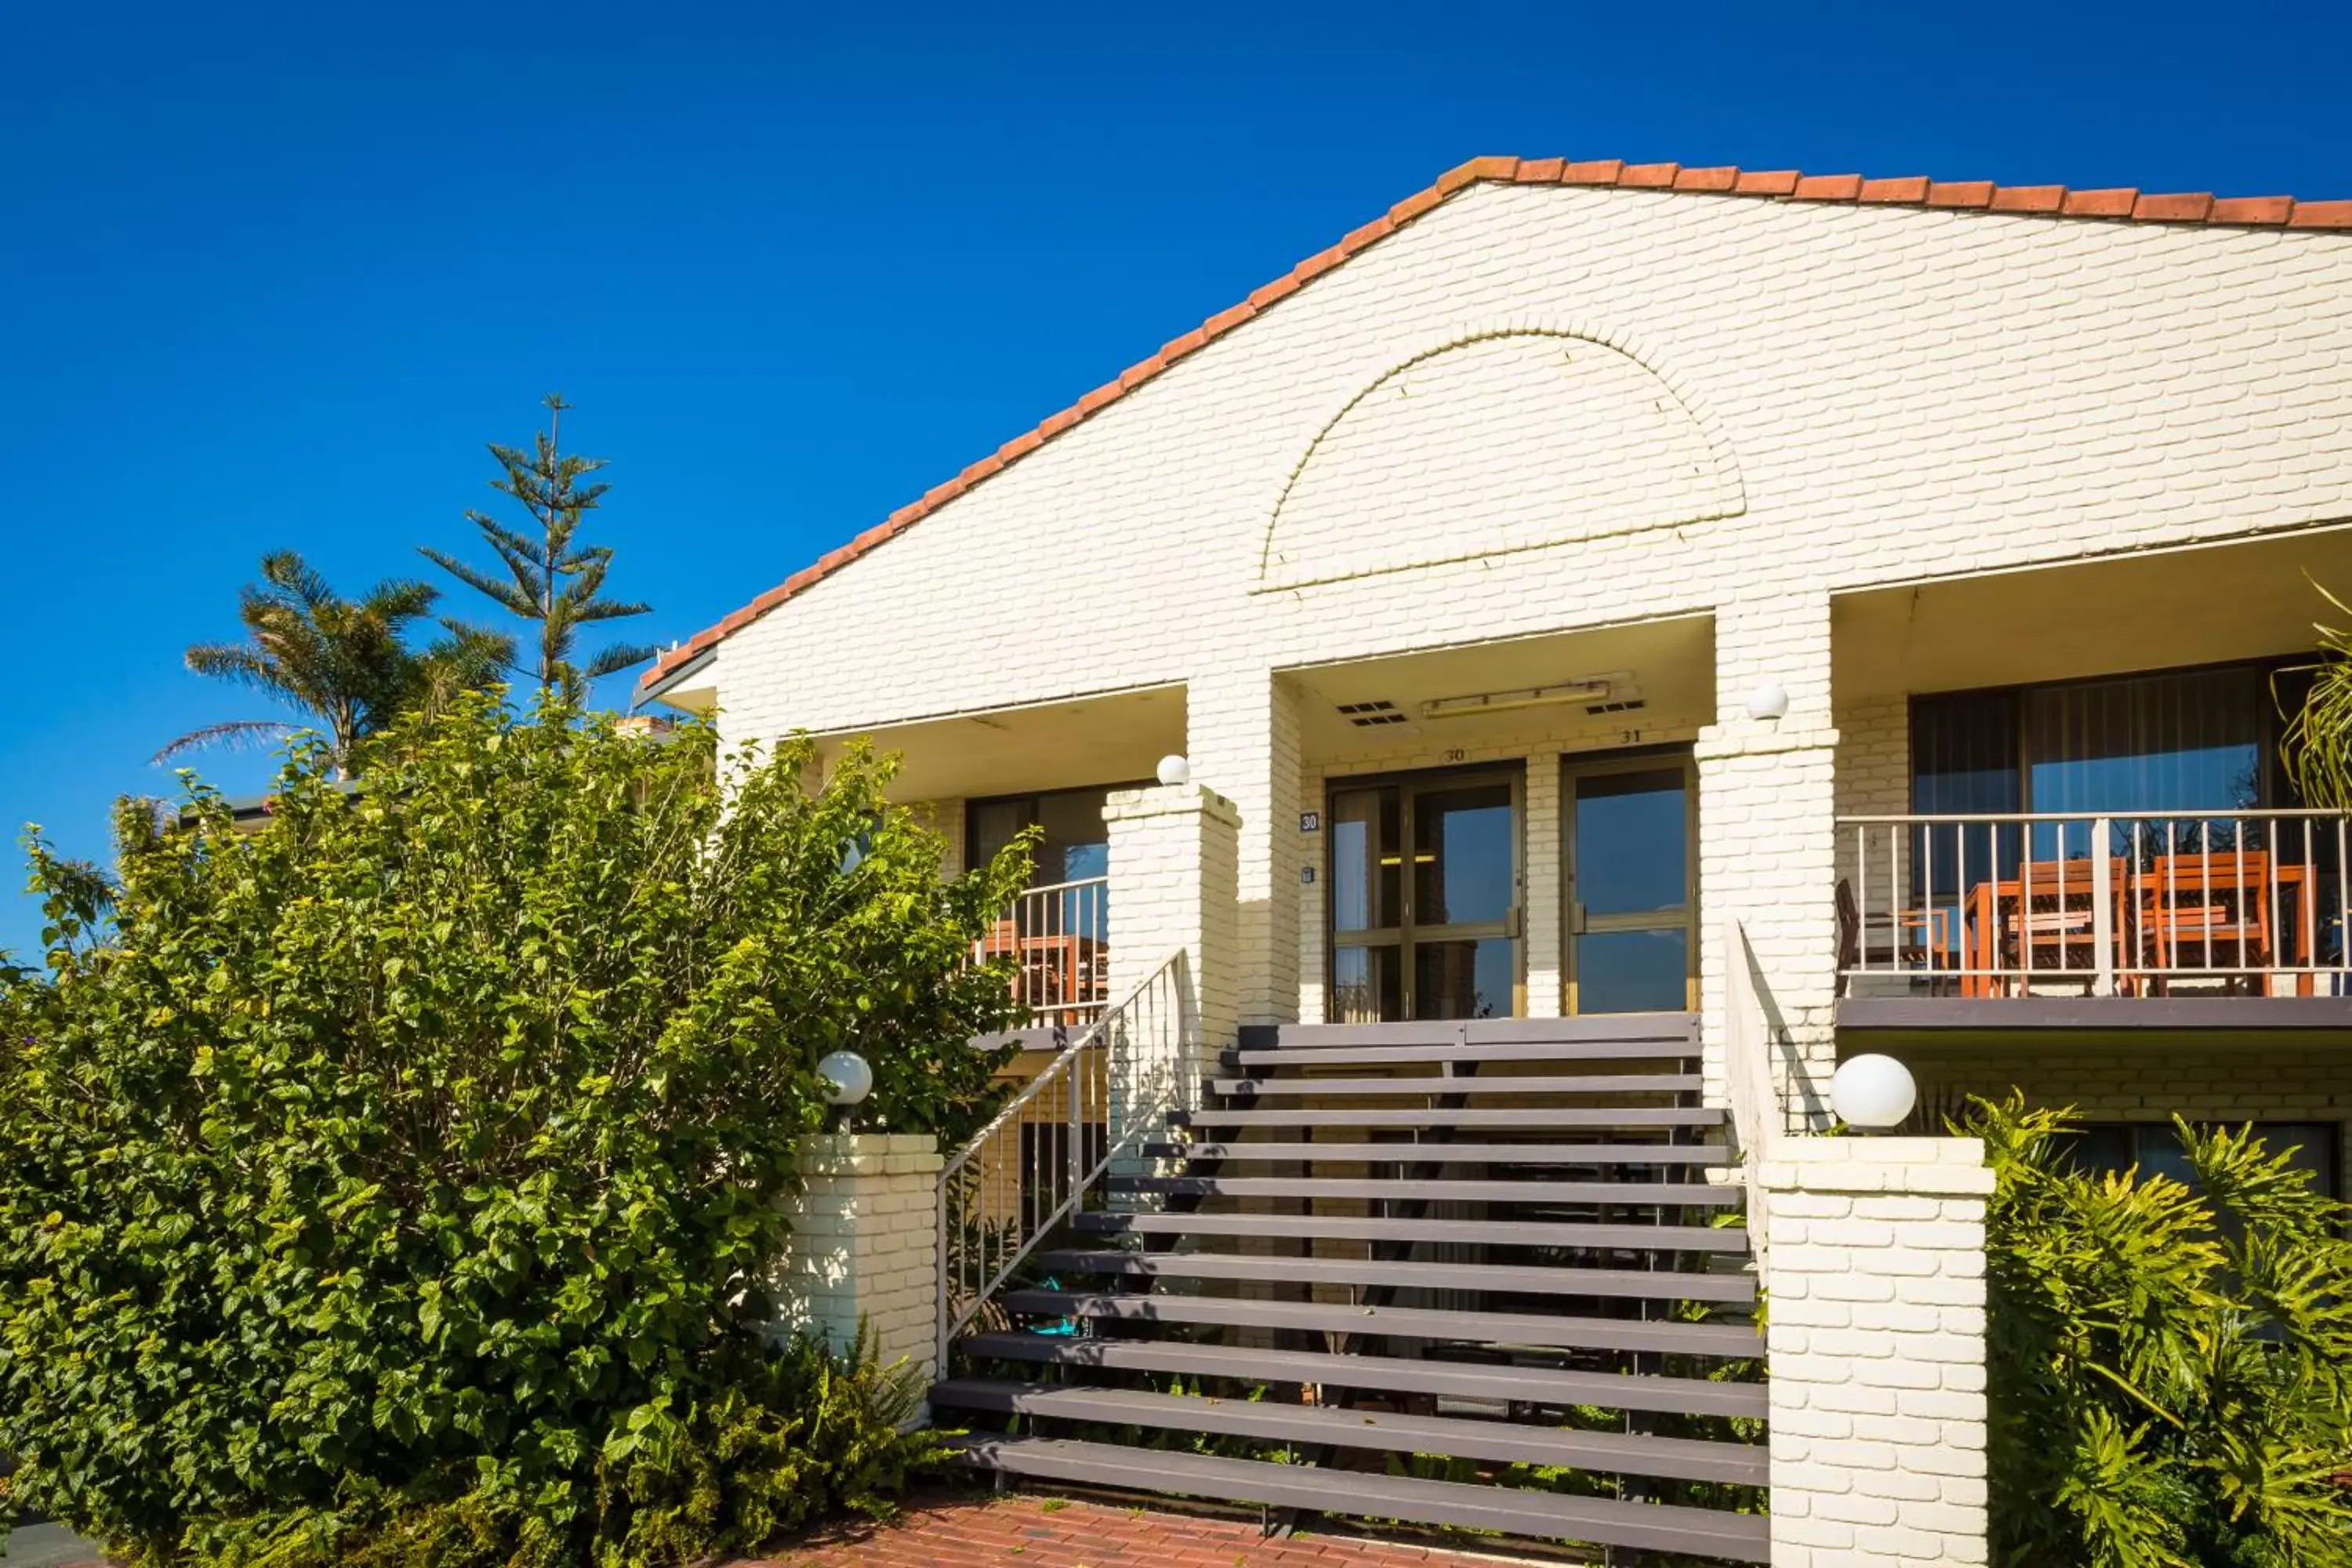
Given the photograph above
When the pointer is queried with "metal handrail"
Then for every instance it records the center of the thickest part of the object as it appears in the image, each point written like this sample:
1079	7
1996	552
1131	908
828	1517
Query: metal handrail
1036	1220
2112	925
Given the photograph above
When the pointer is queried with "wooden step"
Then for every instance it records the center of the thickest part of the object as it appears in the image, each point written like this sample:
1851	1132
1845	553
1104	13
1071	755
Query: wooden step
1317	1427
1736	1340
1449	1052
1674	1033
1434	1084
1549	1516
1491	1233
1540	1386
1549	1118
1670	1194
1449	1153
1518	1280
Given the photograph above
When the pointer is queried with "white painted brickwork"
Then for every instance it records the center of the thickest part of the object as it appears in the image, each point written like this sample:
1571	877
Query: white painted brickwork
1173	848
1876	1303
865	1245
1900	393
2217	1080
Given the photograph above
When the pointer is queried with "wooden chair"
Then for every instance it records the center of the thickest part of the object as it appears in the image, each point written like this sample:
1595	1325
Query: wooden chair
2216	903
1911	950
2050	926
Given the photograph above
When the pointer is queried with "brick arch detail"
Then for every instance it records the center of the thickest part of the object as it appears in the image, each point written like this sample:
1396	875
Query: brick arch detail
1692	407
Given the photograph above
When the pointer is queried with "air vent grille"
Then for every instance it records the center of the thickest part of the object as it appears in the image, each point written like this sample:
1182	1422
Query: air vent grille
1366	715
1627	705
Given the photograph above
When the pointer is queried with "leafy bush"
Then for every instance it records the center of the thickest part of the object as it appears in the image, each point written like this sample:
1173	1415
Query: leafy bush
2170	1370
404	1172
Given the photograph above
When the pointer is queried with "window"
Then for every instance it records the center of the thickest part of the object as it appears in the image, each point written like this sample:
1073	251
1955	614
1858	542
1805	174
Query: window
2196	740
1074	845
2155	1148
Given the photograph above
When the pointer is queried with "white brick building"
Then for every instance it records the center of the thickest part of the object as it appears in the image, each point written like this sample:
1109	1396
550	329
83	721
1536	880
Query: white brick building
1581	564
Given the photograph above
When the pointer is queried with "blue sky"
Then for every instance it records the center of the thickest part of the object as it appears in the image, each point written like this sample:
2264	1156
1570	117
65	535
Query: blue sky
270	275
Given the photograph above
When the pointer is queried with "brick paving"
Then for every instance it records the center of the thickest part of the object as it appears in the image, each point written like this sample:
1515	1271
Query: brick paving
1039	1533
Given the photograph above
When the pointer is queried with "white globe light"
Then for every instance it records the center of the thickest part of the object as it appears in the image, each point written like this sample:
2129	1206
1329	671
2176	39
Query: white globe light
847	1077
1872	1092
1769	701
1175	770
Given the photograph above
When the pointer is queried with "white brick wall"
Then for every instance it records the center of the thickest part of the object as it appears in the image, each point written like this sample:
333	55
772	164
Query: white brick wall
2215	1078
1876	1297
1174	868
1878	395
864	1243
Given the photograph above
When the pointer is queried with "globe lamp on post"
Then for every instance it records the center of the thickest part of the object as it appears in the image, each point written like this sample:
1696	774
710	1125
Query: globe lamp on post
848	1080
1873	1093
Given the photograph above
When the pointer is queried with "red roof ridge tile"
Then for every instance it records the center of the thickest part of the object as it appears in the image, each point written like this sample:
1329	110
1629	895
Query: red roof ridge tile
1775	184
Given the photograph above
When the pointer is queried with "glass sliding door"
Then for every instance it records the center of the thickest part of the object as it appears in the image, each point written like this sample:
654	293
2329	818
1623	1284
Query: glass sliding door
1424	897
1631	885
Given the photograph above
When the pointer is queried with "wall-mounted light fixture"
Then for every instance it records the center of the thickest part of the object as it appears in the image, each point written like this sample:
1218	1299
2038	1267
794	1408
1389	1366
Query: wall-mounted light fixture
1506	701
1174	770
1769	701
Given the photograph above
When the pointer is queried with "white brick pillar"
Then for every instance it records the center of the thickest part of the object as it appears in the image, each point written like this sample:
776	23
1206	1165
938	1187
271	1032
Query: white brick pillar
1242	738
1173	864
1767	839
864	1243
1876	1285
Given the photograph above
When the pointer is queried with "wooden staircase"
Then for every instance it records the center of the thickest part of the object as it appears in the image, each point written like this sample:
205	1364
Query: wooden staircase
1472	1274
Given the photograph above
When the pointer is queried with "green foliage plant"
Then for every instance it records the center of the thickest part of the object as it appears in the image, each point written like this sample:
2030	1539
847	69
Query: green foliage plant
549	578
398	1184
2316	743
2170	1370
346	665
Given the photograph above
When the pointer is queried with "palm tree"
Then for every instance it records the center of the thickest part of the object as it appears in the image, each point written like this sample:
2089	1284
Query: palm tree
343	662
549	579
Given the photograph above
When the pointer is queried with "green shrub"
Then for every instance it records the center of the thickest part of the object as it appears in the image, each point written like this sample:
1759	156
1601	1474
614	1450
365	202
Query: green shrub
2170	1370
405	1171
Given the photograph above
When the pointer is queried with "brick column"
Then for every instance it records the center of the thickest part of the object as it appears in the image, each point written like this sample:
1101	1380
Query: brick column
1242	737
1173	855
1767	842
865	1245
1875	1283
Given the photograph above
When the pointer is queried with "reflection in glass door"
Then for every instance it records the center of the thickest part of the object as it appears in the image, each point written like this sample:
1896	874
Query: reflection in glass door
1630	883
1424	897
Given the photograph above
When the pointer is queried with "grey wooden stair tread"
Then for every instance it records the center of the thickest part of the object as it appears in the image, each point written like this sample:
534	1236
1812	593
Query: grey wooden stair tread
1432	1083
1726	1340
1449	1153
1518	1280
1400	1375
1673	1195
1355	1228
1458	1116
1507	1442
1742	1538
1454	1051
1675	1032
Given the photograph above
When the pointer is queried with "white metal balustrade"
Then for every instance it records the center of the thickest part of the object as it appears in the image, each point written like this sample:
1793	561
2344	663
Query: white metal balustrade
2054	903
1030	1169
1056	939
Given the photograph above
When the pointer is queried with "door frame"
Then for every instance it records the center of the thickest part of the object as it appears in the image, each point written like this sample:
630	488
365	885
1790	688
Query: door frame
1575	766
1401	938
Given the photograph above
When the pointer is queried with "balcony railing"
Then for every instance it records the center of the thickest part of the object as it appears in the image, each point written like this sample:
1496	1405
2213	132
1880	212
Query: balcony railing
2081	903
1057	940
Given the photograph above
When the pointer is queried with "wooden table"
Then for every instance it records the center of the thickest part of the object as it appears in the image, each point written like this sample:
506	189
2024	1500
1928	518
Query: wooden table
1990	903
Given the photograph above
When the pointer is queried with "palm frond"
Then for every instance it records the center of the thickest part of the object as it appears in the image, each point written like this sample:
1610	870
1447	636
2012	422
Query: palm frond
235	733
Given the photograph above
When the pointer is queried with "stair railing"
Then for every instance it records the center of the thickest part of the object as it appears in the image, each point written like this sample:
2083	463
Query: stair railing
1755	1114
1030	1168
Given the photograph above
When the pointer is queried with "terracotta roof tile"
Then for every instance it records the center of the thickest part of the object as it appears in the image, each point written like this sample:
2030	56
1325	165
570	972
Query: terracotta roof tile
2047	201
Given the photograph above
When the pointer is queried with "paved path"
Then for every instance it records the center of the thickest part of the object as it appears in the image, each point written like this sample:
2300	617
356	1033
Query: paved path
45	1546
1026	1531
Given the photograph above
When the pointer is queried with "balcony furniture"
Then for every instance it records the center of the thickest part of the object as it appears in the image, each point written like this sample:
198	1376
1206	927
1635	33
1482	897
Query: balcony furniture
2046	920
2202	911
1056	974
1917	943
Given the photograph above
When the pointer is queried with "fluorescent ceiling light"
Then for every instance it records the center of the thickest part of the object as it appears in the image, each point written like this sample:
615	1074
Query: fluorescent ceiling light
1504	701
